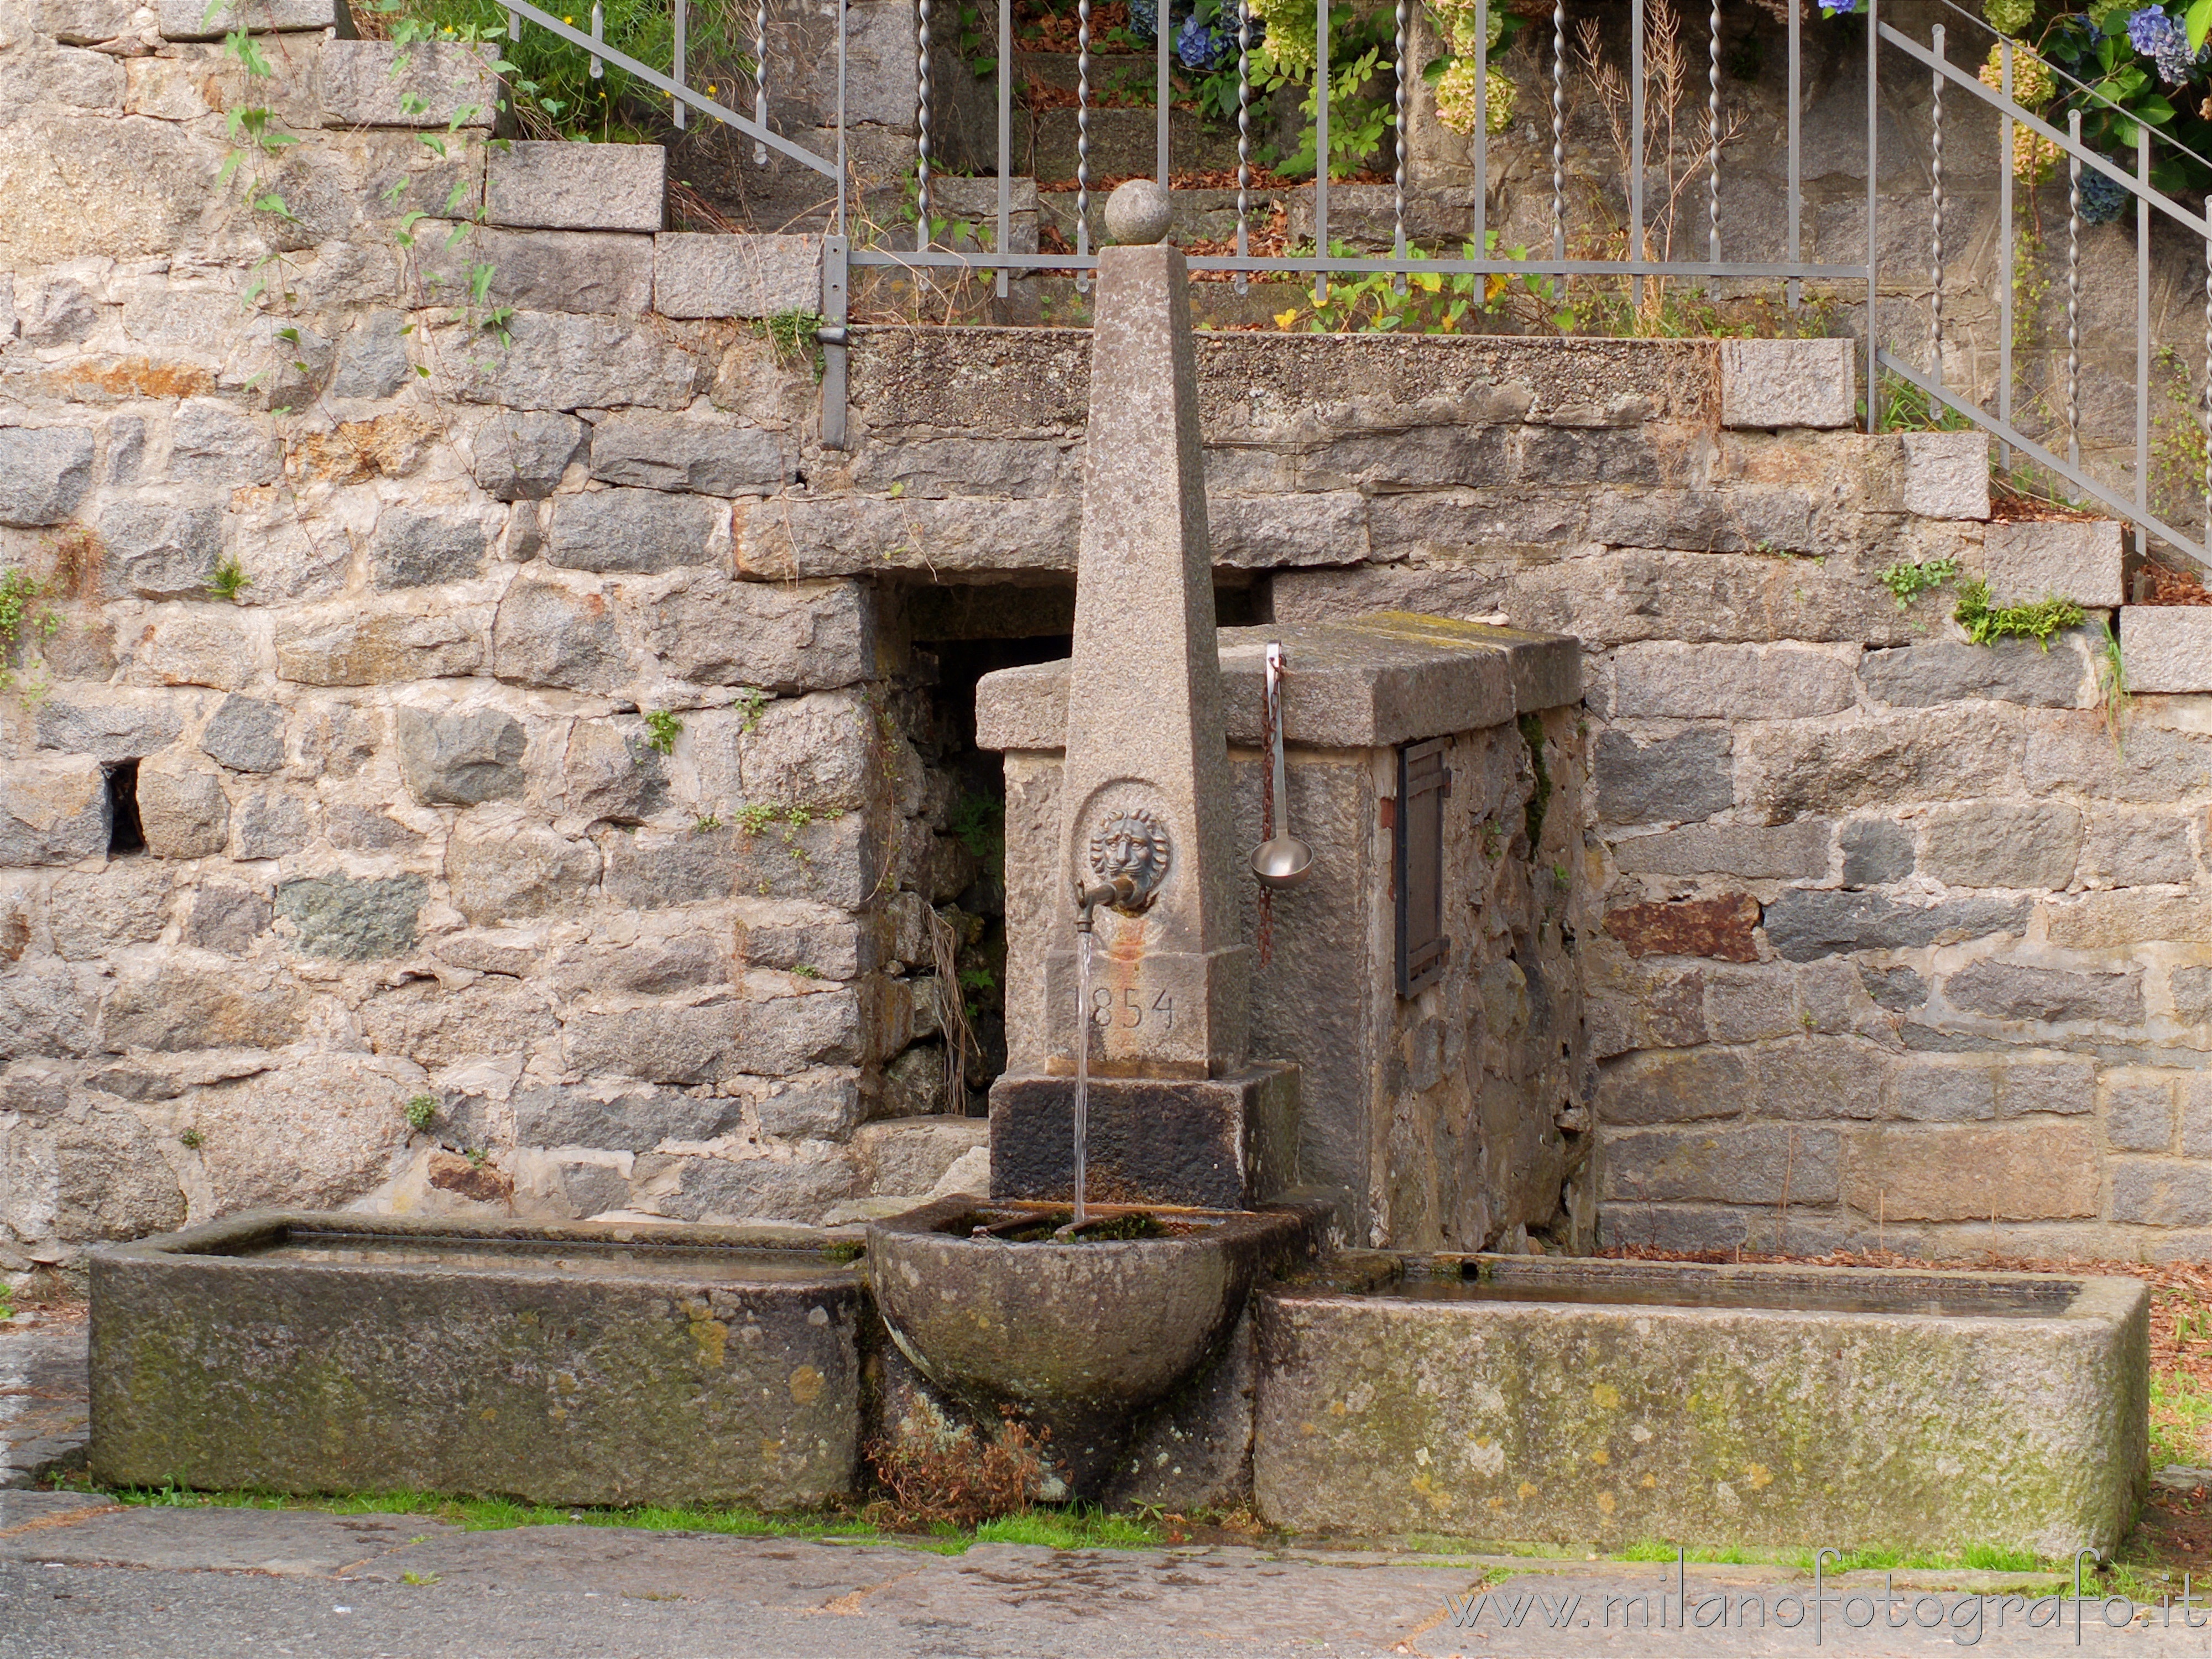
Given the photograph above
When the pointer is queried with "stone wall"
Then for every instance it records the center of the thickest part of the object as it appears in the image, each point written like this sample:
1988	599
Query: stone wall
391	822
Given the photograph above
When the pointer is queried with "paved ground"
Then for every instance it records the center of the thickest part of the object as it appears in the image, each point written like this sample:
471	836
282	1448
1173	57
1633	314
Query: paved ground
81	1576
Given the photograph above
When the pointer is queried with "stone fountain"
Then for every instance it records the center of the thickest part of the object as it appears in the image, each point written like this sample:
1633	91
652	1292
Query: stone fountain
1151	971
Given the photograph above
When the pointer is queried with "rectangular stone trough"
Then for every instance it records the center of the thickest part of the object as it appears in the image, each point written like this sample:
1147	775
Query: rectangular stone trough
593	1363
1607	1403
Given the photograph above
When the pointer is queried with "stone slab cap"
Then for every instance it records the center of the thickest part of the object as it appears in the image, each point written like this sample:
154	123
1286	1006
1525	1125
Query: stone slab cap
1785	383
192	20
1946	474
546	185
2167	647
2028	560
1389	678
375	83
698	274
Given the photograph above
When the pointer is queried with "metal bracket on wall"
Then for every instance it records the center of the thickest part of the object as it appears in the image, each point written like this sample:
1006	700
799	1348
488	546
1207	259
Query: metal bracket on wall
833	338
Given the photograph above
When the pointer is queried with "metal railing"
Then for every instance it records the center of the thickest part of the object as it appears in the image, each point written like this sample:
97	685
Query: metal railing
1679	168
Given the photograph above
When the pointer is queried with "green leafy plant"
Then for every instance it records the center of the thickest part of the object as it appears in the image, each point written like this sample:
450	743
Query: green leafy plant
662	728
1907	581
420	1110
1985	624
806	970
2112	682
750	701
7	1303
706	823
1906	408
979	824
191	1140
790	335
229	579
23	610
1429	302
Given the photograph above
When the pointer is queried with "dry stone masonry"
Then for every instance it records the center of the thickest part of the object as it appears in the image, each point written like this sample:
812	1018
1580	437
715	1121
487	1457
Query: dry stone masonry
553	821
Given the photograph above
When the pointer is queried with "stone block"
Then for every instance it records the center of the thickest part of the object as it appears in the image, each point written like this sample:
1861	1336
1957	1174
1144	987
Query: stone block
2025	1173
2156	767
1820	1078
429	83
373	358
1716	927
2161	1192
552	186
1900	990
1754	852
813	1106
673	1043
459	759
2192	995
110	724
52	810
2009	990
95	912
850	536
247	734
712	457
2062	1088
2196	1115
160	551
272	823
47	1009
798	1188
191	20
1399	1413
181	805
1876	852
610	774
421	549
818	750
2122	919
82	22
547	635
1221	1143
1677	778
172	1010
2003	844
1946	474
829	861
1730	681
1946	753
228	918
2138	1109
1787	383
1734	1165
379	649
1949	670
636	531
195	645
2028	560
557	361
520	454
2167	647
911	1154
211	443
700	275
501	870
2133	849
780	637
667	1414
835	948
1674	1085
353	921
44	472
1804	924
651	967
569	1115
1943	1089
580	271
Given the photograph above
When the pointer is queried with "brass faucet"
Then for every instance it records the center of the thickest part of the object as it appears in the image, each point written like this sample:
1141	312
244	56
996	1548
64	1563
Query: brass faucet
1119	890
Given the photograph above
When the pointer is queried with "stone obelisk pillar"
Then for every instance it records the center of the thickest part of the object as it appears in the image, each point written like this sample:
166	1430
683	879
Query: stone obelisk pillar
1178	1115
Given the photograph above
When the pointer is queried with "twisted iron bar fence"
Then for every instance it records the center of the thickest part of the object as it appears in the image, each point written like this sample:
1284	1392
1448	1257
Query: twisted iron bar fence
2062	458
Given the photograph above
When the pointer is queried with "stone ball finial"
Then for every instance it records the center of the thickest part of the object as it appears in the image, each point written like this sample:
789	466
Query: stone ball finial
1137	211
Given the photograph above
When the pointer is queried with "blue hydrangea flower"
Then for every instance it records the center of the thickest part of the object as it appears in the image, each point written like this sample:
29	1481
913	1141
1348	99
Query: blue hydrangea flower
2102	200
1203	48
1144	18
2164	42
1839	7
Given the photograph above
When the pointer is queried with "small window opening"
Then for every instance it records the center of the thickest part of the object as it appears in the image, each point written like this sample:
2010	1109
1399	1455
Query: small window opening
124	832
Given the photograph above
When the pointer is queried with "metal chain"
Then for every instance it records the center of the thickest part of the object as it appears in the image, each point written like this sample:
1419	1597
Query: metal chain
2074	293
1244	135
1935	209
1398	179
760	77
921	132
1559	130
1713	136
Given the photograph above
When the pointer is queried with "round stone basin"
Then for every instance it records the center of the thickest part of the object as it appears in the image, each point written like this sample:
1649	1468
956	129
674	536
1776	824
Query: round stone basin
1077	1337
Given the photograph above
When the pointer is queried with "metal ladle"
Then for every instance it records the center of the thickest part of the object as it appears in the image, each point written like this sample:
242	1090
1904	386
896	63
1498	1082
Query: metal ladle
1283	860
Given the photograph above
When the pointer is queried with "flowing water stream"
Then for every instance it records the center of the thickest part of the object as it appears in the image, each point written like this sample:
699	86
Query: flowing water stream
1082	1065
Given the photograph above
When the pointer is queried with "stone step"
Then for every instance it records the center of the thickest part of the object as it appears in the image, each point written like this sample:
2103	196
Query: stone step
2167	647
543	185
2026	560
912	1155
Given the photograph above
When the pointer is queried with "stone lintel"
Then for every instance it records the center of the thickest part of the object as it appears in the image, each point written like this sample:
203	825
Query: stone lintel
1217	1143
1390	678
